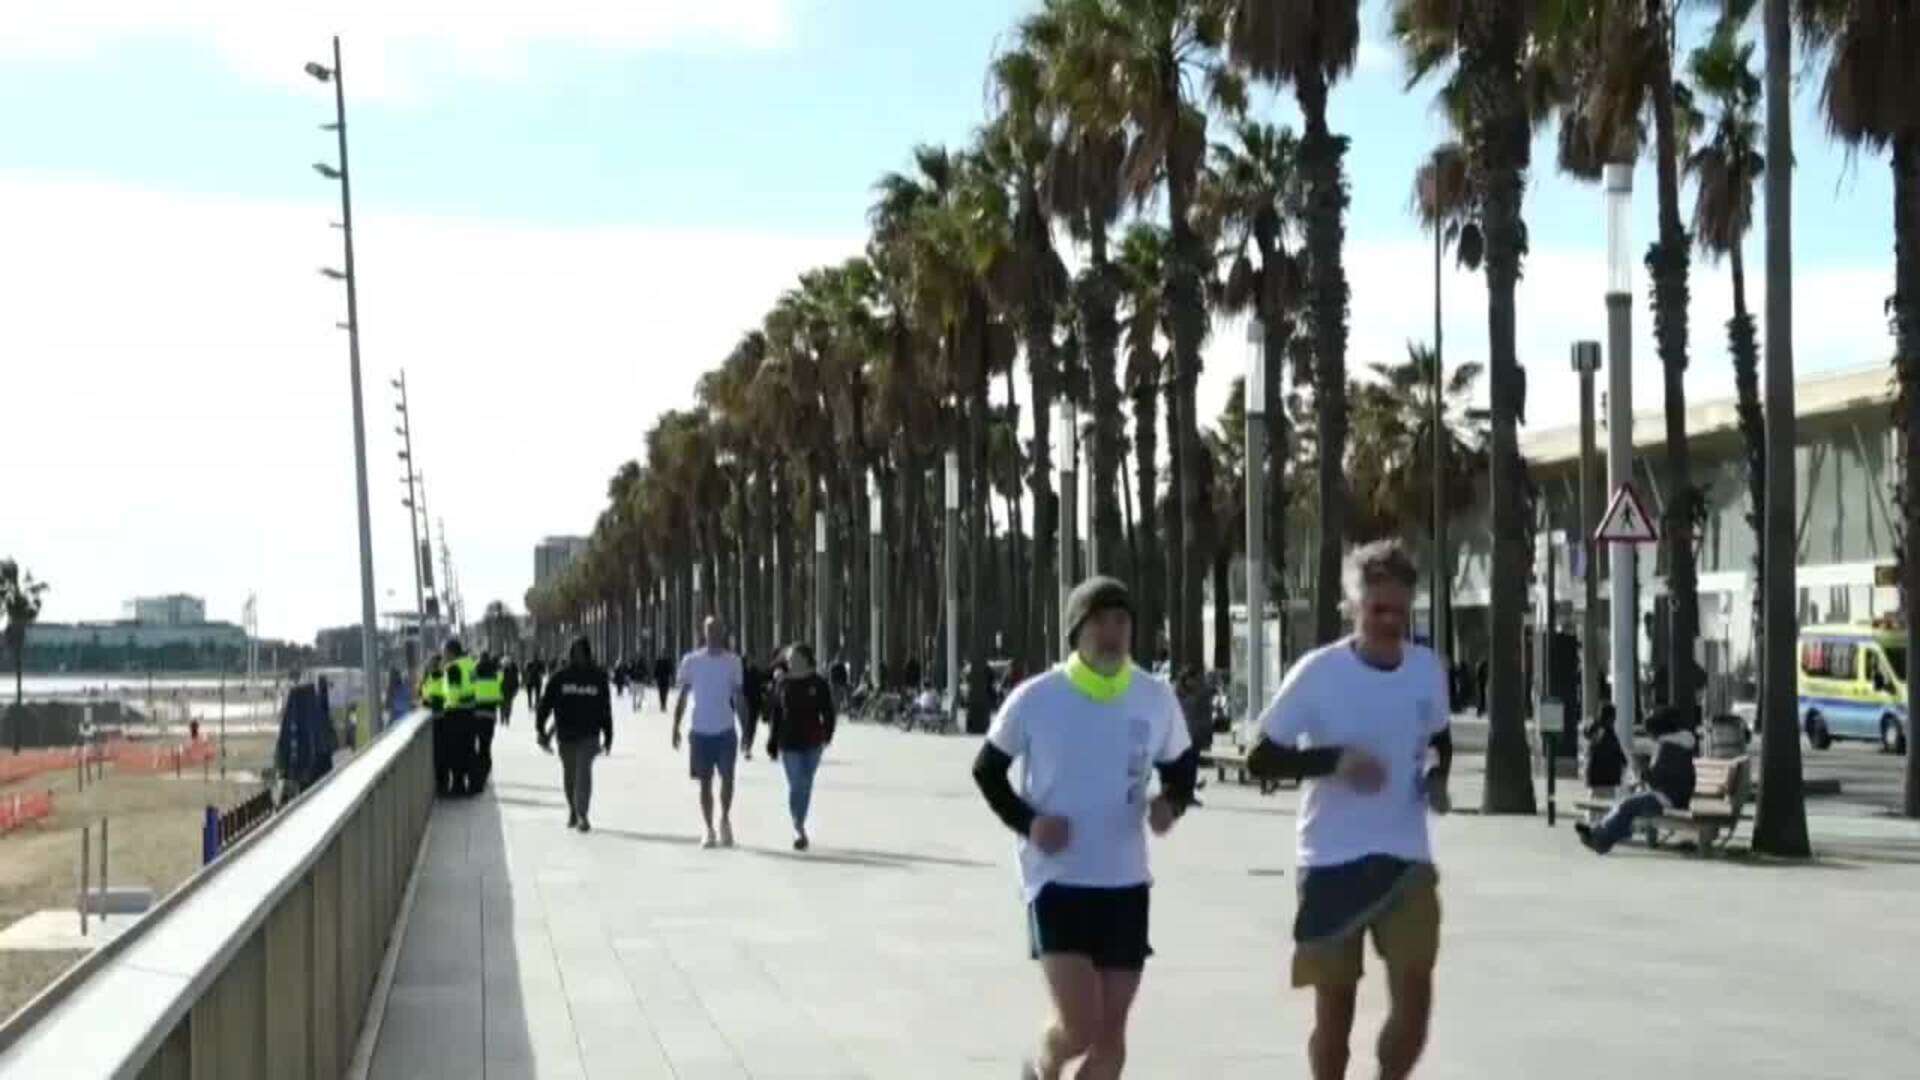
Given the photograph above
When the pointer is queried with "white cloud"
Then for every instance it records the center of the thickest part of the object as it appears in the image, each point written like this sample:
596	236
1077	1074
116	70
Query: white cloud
1838	323
394	48
178	408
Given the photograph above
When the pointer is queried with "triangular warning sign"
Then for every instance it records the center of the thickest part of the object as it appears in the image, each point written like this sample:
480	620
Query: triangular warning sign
1626	520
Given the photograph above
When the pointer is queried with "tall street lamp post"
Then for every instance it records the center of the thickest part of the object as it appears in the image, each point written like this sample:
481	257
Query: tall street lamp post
1586	362
1623	588
877	557
952	575
1256	410
1068	424
369	659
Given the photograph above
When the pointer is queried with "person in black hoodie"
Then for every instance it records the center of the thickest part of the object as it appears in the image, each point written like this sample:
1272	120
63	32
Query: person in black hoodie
799	729
1606	763
580	700
1670	780
663	678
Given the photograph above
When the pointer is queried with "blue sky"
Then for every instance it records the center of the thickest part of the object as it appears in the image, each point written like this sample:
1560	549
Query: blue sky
564	217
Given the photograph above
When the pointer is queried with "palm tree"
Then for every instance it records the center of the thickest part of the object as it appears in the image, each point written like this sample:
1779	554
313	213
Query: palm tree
1444	204
1871	97
1390	461
1622	68
1489	47
1024	138
1311	47
1142	269
1157	57
20	598
1724	169
1251	198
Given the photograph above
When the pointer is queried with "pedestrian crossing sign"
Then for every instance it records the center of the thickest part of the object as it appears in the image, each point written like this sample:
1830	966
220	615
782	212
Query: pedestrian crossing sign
1626	520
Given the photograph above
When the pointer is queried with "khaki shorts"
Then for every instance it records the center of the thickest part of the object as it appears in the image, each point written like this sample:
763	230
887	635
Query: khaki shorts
1406	936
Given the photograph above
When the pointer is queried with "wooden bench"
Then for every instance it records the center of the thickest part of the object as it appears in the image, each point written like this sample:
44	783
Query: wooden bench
1721	789
1234	760
1719	801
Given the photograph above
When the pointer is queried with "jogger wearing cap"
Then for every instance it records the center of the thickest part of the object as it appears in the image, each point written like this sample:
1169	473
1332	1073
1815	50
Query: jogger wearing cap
1089	734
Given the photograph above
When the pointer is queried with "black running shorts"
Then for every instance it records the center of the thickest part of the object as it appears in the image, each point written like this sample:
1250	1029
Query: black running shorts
1107	926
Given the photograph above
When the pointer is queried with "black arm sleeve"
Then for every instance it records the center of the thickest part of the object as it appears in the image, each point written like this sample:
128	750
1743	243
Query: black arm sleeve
544	710
1272	761
1177	778
1442	744
990	773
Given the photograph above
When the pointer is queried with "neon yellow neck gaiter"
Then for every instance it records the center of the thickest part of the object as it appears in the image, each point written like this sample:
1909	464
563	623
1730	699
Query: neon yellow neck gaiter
1098	687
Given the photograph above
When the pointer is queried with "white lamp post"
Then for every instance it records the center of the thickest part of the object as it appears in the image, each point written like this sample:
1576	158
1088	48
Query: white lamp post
1623	587
952	574
1256	408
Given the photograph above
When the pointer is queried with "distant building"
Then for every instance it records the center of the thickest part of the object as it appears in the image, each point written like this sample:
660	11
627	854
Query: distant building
124	645
553	555
177	609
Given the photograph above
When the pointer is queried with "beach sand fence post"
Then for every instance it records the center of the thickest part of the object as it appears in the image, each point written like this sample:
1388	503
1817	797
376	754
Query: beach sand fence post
86	837
103	871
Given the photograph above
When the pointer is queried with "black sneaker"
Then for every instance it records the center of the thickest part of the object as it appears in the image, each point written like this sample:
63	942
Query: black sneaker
800	842
573	820
1586	837
585	825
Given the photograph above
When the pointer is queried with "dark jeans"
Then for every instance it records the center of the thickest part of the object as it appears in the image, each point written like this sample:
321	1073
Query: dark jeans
1618	824
800	765
576	773
749	722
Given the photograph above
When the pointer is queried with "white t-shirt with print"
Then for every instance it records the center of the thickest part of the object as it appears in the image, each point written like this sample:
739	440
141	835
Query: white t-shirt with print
714	678
1332	697
1091	763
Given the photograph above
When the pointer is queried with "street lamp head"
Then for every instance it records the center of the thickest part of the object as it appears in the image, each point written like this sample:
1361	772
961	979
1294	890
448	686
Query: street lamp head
1586	357
953	480
336	275
320	71
1256	385
326	170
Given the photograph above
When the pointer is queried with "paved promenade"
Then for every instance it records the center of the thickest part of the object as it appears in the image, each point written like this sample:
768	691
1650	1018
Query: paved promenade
895	949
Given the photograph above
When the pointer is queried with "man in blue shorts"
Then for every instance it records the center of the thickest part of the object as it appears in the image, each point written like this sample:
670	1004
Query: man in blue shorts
712	676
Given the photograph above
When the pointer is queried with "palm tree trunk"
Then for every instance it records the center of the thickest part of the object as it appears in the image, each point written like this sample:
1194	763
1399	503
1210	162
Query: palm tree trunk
1279	330
1320	154
1906	334
1222	610
1102	336
1188	308
1753	426
1780	821
979	708
1499	145
1152	572
1668	263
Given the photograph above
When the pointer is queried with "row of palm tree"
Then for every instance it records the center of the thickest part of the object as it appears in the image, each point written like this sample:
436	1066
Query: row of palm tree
1116	201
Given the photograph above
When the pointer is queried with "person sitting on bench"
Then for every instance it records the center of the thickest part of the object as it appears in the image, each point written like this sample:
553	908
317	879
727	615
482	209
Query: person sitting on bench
1669	780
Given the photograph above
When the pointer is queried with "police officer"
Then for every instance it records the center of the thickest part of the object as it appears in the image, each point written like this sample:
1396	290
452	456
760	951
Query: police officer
433	695
581	702
489	695
457	717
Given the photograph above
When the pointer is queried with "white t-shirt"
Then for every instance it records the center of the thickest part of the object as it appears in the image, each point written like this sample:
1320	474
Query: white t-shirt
1334	698
714	677
1090	763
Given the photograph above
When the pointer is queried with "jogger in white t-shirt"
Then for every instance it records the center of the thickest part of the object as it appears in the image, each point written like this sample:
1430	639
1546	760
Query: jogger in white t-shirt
1359	719
1089	734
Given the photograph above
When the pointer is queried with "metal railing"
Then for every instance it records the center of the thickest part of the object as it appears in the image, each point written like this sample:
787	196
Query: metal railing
263	963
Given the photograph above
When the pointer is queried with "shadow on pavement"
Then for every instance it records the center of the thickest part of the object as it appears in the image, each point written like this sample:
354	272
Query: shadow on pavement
456	1007
885	860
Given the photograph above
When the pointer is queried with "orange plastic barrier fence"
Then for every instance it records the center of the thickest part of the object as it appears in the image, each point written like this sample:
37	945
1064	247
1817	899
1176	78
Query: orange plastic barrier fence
31	763
18	810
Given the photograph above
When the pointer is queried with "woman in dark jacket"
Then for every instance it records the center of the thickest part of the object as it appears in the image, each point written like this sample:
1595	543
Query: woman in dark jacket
799	727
